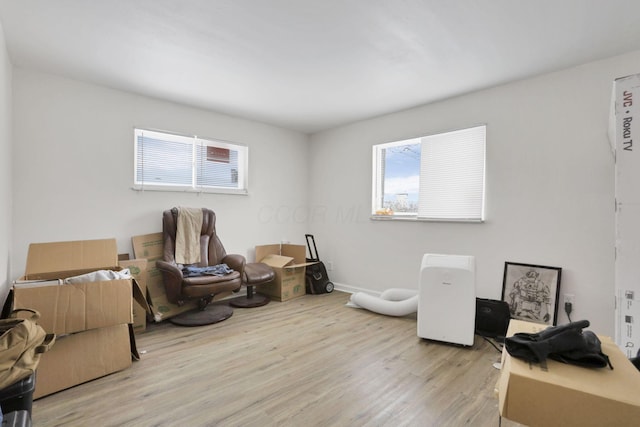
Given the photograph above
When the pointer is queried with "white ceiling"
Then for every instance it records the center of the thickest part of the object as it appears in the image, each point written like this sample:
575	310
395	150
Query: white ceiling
311	65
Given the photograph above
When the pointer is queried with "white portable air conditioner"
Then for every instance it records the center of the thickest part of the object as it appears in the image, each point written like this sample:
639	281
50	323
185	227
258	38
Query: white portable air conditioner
447	298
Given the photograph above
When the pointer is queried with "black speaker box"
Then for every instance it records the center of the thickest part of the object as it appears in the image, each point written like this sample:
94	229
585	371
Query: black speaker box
492	318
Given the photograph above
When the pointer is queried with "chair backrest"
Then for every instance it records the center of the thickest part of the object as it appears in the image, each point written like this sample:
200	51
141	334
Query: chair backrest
211	249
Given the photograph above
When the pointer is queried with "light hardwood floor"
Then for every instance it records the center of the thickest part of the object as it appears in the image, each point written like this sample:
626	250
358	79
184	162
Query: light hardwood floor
310	361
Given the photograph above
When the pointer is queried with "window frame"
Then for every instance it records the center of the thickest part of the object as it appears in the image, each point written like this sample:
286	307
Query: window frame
195	143
378	177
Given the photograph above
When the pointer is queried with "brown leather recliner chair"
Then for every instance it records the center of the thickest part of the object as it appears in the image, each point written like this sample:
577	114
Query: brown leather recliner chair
203	288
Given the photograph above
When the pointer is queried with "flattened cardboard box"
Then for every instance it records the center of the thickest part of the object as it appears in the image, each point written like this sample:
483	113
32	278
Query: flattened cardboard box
151	248
77	358
568	395
626	109
289	264
625	137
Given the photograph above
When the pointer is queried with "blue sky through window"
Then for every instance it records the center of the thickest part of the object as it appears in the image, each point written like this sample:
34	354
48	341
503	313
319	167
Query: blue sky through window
402	177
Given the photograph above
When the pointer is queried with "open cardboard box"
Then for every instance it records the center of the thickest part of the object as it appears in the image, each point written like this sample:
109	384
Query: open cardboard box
289	264
88	317
568	395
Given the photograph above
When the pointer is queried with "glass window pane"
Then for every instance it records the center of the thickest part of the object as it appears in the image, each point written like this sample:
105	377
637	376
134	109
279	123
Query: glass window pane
216	167
188	163
401	171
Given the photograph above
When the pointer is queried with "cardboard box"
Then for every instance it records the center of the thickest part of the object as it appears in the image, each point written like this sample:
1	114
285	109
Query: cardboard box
78	358
568	395
151	247
69	308
91	319
65	309
138	269
288	263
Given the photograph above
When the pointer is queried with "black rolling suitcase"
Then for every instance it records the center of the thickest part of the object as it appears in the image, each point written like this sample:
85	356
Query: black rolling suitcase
316	275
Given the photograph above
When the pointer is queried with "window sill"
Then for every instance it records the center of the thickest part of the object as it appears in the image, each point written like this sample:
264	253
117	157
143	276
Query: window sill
233	191
409	218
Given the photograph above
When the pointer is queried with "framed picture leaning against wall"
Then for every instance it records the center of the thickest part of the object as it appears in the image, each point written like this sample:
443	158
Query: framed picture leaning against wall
532	292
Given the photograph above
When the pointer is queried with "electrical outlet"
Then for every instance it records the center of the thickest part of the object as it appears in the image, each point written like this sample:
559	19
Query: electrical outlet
330	265
568	298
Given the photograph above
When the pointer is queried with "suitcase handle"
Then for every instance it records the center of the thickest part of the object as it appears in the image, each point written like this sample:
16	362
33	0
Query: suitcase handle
46	345
309	238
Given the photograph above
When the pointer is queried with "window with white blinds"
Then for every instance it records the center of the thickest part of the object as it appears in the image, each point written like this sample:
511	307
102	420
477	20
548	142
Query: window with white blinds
165	161
435	177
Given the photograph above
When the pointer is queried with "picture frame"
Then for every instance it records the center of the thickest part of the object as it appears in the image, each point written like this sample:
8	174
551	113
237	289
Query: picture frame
532	292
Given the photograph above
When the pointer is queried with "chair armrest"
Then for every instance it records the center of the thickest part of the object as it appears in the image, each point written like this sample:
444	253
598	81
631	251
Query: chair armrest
172	278
236	262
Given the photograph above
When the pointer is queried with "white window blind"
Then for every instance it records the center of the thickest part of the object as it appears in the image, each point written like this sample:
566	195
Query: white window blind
165	161
452	175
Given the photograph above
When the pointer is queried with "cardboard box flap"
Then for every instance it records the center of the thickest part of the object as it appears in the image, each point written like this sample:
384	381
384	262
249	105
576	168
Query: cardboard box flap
304	264
142	308
297	252
57	260
264	250
276	261
140	297
135	354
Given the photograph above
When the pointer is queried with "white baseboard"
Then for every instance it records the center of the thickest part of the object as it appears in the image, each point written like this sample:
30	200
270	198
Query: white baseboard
337	286
353	289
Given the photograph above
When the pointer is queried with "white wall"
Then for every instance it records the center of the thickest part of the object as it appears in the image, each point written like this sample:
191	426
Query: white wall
73	157
5	169
549	190
549	181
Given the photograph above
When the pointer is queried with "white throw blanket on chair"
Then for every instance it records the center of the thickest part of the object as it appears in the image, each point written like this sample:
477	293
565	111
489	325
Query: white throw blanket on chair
188	230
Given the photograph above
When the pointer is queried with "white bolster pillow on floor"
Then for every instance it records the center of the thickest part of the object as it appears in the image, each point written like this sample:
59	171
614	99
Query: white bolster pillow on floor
398	294
396	302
